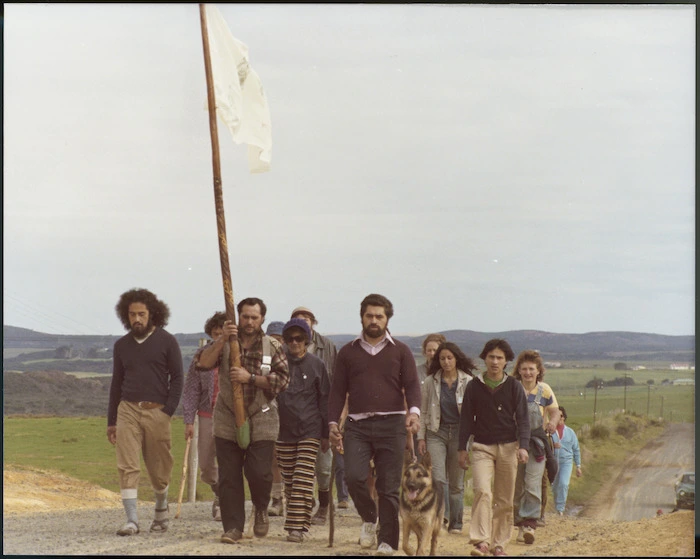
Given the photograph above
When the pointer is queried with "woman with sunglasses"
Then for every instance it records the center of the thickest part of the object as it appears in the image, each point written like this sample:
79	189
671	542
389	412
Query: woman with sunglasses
303	410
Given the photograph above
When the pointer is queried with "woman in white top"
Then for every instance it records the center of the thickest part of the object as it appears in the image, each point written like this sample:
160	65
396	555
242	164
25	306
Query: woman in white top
443	391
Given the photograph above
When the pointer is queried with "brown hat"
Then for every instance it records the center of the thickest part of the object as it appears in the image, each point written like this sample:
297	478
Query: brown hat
304	310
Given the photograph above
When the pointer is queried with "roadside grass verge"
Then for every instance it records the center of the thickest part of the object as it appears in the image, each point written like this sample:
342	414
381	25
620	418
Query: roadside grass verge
78	447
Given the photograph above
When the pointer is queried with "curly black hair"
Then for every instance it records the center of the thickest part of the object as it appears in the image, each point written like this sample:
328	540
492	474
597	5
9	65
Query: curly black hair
464	363
214	321
158	311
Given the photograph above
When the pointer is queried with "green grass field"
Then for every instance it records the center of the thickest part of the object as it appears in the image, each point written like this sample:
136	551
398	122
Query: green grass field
78	446
677	401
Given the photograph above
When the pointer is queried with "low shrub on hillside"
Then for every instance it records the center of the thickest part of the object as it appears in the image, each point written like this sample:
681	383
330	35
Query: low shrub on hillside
600	431
629	426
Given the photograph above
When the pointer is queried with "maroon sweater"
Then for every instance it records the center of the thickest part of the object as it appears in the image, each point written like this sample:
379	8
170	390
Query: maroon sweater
374	383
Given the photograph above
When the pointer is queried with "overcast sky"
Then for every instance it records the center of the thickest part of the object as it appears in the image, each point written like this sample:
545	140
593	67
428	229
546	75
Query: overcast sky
486	167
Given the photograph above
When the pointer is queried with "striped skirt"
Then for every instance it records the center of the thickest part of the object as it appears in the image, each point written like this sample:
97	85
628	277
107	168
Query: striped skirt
297	464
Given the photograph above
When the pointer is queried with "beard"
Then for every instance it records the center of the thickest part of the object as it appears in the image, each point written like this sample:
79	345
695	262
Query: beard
139	330
373	331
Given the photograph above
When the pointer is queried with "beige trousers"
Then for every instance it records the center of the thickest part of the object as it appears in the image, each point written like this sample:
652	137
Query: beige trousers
146	431
494	468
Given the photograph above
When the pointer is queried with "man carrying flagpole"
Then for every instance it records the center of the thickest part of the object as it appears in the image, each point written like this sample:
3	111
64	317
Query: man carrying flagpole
234	92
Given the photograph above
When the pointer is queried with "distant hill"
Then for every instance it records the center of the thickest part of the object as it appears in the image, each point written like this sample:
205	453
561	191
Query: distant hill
552	346
43	387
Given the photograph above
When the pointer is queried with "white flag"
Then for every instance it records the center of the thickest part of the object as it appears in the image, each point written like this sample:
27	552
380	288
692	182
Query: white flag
240	99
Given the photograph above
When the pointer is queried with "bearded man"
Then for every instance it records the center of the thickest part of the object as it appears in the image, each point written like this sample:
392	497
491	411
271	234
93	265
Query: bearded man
378	375
146	387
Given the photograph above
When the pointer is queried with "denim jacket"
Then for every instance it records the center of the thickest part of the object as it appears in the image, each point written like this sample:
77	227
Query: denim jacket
430	405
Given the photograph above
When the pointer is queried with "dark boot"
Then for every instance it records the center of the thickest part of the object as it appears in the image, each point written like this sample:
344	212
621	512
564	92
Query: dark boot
319	519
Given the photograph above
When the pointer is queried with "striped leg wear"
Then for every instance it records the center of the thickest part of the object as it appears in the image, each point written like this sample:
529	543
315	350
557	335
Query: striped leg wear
297	464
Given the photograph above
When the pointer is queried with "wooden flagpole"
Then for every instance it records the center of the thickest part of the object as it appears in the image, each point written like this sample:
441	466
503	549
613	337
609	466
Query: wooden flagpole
235	359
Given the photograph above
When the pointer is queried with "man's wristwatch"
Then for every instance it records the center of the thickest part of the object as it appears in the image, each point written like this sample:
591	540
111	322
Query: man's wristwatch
251	380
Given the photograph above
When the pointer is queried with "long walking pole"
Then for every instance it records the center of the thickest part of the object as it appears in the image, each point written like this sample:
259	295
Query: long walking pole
242	426
331	504
184	477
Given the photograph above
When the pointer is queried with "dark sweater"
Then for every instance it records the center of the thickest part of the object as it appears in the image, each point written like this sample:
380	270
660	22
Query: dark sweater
303	406
146	372
494	416
374	383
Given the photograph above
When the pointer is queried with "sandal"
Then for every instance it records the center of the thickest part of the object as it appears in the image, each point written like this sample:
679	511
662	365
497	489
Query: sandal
129	529
160	526
480	549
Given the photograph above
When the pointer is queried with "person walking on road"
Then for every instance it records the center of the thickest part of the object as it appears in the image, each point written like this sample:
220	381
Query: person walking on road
494	427
568	453
145	391
378	375
543	418
449	373
323	348
199	396
303	432
262	378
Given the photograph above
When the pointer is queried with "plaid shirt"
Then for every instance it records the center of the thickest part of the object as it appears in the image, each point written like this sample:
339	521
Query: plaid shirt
198	395
251	360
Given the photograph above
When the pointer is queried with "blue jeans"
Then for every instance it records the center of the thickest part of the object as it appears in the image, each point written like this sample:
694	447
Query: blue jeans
560	485
323	470
442	446
527	501
340	486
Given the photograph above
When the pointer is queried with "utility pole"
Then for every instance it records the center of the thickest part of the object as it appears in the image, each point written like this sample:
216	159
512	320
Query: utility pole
662	407
624	405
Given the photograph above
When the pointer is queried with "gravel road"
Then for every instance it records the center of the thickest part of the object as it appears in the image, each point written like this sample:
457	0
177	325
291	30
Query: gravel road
643	485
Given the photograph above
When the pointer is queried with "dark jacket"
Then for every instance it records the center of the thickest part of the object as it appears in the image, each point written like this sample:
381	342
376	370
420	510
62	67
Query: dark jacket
541	445
303	406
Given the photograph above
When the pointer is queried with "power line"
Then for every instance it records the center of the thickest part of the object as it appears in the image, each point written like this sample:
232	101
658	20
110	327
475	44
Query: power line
56	322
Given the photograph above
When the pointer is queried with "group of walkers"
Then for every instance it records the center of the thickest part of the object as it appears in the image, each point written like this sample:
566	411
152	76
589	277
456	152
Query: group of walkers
311	407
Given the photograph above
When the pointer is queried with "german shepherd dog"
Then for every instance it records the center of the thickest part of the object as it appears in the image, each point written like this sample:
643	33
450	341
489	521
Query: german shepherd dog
421	504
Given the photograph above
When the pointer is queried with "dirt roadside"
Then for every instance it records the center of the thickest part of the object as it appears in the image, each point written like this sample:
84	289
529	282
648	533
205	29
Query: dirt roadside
51	514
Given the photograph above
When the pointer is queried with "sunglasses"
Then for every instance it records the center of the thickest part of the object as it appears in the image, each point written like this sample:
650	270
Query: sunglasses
297	339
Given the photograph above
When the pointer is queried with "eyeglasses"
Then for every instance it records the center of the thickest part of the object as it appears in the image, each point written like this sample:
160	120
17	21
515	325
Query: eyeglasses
297	339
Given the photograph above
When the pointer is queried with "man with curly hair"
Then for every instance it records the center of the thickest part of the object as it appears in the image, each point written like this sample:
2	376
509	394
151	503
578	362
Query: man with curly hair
146	388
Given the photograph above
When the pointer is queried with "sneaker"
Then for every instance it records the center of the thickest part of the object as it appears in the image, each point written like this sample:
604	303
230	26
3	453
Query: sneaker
216	509
232	536
129	529
482	548
319	519
455	530
498	551
540	522
276	508
297	536
560	512
342	504
385	549
520	538
262	524
528	535
368	536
